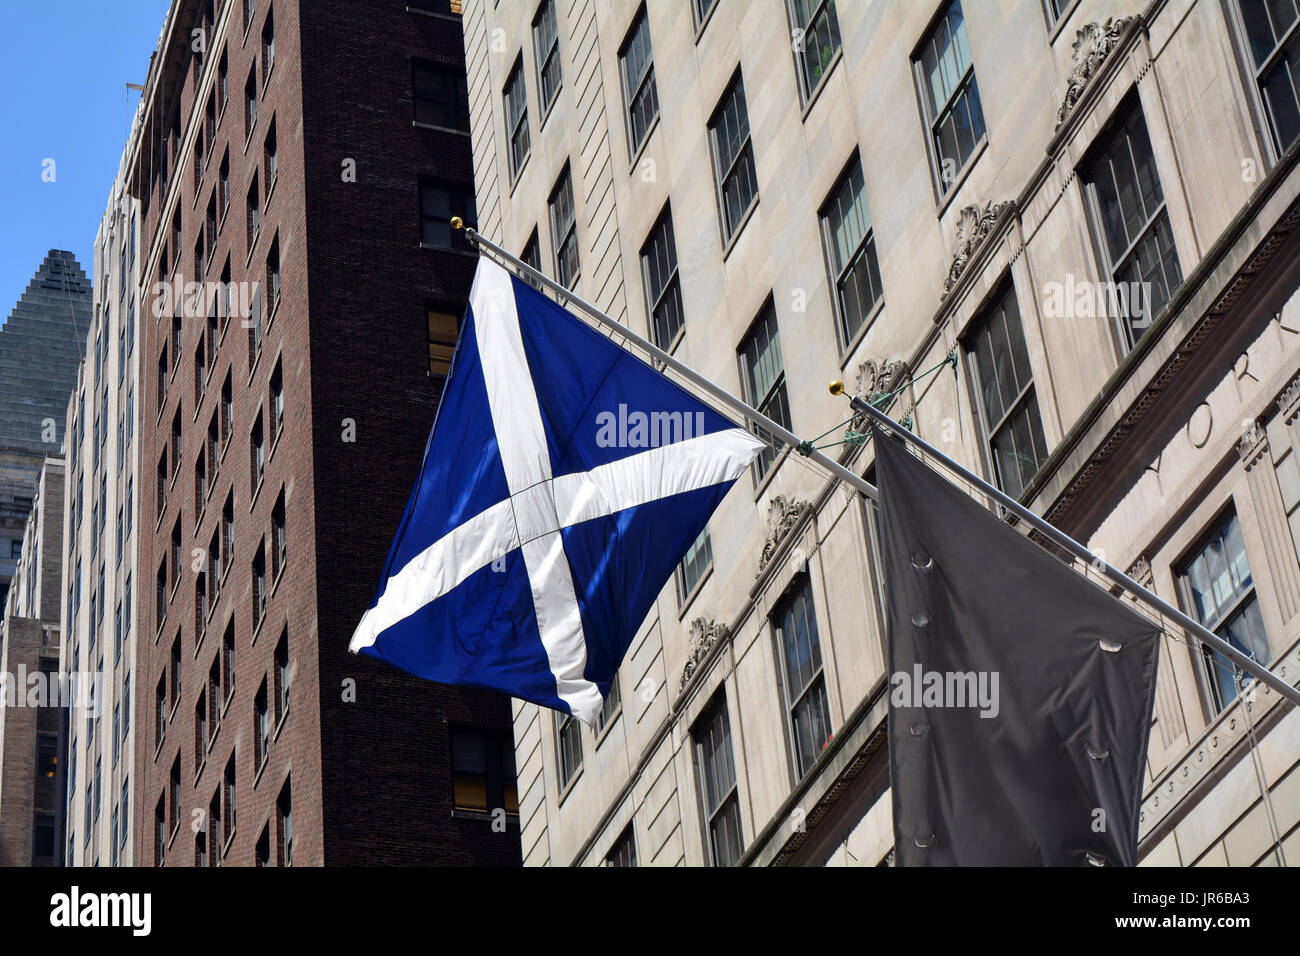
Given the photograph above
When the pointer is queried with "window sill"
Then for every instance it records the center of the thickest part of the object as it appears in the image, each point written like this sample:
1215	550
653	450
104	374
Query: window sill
740	229
417	124
645	142
459	814
519	173
225	849
861	333
252	247
261	768
699	30
944	200
569	787
687	601
279	725
772	469
261	480
550	107
821	85
459	252
609	725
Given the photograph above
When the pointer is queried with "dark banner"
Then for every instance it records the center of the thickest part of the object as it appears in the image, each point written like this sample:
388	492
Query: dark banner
1020	693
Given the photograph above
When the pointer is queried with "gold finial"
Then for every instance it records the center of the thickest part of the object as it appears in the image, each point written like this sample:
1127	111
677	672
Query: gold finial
457	222
837	387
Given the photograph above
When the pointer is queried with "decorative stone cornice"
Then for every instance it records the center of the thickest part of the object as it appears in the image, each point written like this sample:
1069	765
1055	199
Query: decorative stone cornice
1140	571
1252	444
973	228
1092	46
876	378
1288	403
782	515
705	633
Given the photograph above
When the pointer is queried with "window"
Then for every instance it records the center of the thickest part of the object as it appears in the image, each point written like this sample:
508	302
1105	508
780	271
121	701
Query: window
564	230
443	332
268	45
663	289
532	255
200	849
547	47
262	852
701	9
284	826
697	560
440	96
763	376
250	103
175	689
623	852
717	781
254	212
261	727
1122	187
1005	396
950	100
270	158
1286	463
439	203
160	831
174	794
279	539
637	69
610	708
227	410
282	676
257	454
214	829
277	398
1274	41
483	770
851	252
805	684
259	586
733	159
1220	590
228	662
273	274
254	325
223	83
816	34
568	745
201	731
47	752
228	800
516	102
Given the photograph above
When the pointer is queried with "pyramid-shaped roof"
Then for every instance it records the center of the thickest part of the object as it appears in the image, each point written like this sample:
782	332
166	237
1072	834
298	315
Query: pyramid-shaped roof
40	346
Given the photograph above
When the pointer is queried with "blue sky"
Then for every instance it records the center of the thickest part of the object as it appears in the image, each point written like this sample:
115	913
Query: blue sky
64	66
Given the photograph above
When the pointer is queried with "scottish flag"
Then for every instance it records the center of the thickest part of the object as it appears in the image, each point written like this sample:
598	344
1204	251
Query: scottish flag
562	483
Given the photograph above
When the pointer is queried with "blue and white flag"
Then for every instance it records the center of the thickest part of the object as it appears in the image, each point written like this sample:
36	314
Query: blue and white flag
562	483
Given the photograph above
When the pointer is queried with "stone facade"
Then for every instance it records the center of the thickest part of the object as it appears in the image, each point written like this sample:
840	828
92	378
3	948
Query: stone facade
1140	426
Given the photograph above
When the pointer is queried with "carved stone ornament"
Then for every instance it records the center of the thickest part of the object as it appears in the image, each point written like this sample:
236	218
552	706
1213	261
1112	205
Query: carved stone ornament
876	378
782	515
1251	443
1289	399
972	229
704	634
1091	47
1140	571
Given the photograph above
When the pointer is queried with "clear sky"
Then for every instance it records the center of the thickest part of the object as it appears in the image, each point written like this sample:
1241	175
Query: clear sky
64	66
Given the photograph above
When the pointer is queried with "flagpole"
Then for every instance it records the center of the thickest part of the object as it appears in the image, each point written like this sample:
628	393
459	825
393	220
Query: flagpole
1041	525
748	412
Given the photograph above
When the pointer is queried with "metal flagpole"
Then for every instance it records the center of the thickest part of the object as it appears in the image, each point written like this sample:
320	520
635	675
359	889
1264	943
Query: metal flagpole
1204	635
741	408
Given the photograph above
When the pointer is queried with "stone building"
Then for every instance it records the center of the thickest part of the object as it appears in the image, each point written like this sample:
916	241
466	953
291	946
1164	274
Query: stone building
304	160
40	345
100	548
33	715
1058	238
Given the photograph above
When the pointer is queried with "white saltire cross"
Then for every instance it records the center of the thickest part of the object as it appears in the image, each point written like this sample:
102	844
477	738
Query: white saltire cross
540	504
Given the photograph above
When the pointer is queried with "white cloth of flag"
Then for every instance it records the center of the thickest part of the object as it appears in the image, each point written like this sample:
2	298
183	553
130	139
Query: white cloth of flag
562	483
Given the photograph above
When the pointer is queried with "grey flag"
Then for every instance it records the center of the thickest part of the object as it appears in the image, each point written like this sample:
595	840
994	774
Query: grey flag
1020	692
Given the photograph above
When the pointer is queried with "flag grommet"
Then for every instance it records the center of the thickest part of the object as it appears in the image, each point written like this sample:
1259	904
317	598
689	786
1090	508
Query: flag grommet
1098	753
925	842
922	562
1096	859
920	619
919	730
1111	647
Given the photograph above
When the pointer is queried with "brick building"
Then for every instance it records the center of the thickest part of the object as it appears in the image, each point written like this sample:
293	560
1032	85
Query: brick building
33	738
308	158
